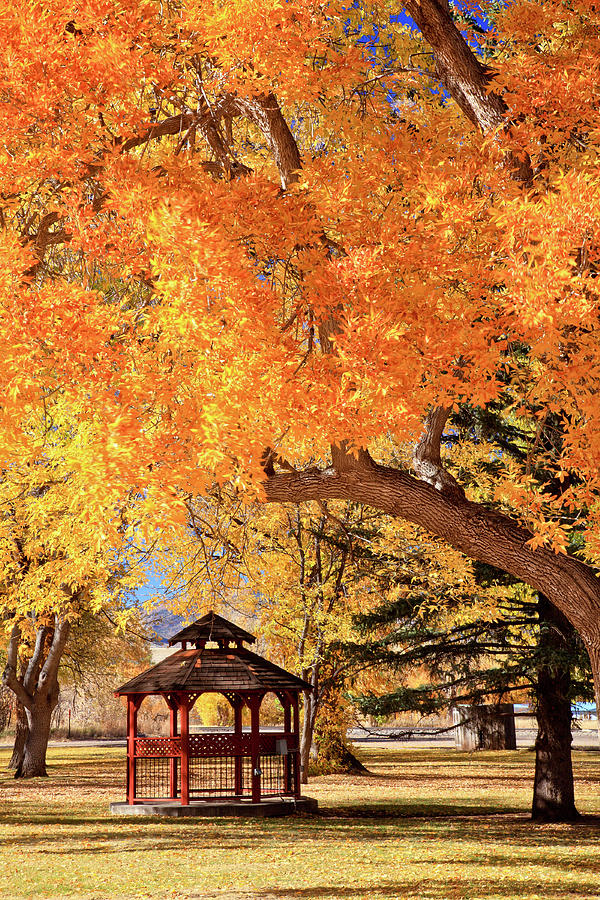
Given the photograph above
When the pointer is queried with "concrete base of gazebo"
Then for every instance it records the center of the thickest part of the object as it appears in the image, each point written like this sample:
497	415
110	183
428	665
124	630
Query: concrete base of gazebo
272	807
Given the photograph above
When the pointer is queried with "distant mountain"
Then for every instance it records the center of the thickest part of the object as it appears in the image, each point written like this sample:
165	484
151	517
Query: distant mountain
164	624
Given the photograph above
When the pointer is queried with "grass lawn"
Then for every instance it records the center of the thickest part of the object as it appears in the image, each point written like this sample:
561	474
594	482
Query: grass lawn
425	824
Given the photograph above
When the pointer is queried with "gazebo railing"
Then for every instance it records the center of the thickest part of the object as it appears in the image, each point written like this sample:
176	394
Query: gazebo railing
278	771
220	765
216	743
157	746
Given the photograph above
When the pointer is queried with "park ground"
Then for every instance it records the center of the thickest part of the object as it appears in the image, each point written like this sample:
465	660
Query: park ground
426	823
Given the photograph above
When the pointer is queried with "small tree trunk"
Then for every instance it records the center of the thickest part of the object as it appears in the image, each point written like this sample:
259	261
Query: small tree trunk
307	734
21	733
333	752
553	791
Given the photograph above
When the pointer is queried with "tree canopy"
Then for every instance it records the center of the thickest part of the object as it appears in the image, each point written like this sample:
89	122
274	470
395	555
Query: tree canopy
247	241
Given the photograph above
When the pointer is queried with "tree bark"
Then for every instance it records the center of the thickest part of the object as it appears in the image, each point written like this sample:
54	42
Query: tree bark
21	733
265	112
307	734
553	791
427	460
467	80
33	762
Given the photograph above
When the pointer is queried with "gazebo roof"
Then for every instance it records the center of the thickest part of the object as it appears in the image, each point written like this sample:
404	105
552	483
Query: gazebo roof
197	670
212	627
221	669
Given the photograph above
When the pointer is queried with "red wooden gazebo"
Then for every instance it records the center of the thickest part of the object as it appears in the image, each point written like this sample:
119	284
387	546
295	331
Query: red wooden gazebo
238	765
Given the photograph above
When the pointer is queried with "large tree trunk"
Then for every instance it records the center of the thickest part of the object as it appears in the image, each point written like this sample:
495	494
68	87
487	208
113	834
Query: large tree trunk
33	762
21	733
37	689
553	792
333	752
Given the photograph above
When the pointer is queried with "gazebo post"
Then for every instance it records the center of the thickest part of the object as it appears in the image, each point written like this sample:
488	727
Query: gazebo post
254	703
184	712
172	704
287	727
297	734
237	762
287	713
133	704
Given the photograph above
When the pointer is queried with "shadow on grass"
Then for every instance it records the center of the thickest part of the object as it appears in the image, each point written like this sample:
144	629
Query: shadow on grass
484	774
508	890
492	831
415	811
26	813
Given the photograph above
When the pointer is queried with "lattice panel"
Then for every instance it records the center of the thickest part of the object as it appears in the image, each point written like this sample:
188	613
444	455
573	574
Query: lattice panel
272	779
152	778
246	763
215	777
157	746
219	744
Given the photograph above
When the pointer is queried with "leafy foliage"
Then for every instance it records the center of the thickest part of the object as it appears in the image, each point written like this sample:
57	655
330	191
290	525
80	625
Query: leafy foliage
146	230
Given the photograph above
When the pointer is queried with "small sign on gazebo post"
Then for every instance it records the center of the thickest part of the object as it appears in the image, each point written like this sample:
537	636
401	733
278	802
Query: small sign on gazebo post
234	772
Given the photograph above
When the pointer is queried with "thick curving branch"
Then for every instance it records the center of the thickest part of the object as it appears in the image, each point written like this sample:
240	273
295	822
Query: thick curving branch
480	533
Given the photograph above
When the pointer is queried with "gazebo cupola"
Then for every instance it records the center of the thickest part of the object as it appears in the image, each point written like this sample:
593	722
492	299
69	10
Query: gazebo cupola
236	765
212	629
